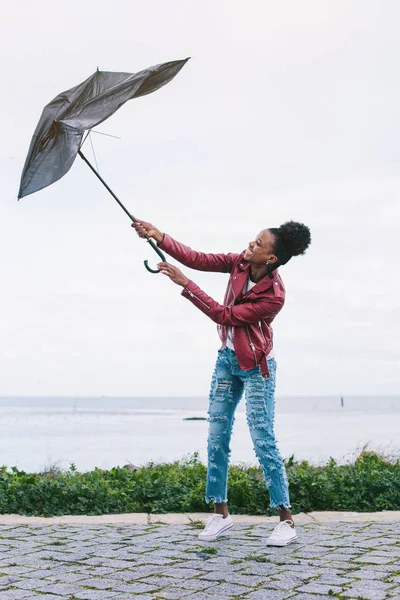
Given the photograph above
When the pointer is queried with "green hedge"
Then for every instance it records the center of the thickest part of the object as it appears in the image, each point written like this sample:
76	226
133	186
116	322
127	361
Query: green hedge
370	483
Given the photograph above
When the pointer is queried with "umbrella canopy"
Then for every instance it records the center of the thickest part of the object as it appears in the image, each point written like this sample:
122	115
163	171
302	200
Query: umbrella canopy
65	119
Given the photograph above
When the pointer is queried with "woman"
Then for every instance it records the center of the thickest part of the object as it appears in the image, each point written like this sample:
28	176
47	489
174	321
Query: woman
246	362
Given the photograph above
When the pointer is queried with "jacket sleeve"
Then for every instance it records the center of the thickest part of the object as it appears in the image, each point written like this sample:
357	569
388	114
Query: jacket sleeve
233	316
200	261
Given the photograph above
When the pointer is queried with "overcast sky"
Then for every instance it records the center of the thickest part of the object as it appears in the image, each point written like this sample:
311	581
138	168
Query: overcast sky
286	110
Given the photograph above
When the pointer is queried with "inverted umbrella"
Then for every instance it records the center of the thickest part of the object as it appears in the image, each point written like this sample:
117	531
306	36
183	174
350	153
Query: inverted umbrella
58	135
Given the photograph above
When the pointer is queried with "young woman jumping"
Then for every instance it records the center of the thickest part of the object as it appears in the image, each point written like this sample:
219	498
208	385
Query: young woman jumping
245	362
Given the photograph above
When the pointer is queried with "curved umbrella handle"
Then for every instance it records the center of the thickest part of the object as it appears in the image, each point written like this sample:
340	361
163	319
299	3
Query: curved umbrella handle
160	254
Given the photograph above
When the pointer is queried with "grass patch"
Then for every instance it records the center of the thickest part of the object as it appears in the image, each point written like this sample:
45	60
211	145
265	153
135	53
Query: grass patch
259	559
208	550
370	482
55	544
196	524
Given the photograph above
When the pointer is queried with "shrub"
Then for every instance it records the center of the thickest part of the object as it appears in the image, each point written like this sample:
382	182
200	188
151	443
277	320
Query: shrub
369	483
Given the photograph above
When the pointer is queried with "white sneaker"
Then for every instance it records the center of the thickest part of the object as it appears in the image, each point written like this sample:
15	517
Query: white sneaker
216	525
283	534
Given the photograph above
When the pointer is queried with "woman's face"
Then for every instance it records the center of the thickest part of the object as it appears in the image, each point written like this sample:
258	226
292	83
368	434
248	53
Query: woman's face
260	250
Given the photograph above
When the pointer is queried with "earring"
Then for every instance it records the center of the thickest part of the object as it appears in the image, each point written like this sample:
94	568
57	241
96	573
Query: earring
267	263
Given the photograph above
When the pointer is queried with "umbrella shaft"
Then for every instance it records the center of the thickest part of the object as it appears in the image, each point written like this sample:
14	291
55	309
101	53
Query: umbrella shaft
150	241
106	186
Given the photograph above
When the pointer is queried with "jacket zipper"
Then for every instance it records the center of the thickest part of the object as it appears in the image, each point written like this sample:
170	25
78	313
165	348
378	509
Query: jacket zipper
197	298
251	345
233	292
262	333
248	333
234	300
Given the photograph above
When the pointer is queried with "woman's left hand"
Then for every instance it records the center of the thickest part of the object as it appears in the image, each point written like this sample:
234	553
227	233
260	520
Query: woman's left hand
173	273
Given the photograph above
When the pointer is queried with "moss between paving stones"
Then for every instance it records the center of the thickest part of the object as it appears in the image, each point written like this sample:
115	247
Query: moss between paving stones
369	483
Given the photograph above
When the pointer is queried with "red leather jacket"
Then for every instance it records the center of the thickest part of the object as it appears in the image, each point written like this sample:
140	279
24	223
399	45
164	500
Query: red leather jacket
250	315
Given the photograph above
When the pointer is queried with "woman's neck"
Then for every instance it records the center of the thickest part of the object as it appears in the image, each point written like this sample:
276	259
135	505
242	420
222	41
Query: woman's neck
257	273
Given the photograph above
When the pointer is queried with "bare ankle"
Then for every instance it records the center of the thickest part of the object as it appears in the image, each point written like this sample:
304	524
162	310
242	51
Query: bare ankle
221	508
286	515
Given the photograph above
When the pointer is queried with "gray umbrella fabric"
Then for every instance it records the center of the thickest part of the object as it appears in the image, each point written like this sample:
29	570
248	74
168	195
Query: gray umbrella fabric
58	135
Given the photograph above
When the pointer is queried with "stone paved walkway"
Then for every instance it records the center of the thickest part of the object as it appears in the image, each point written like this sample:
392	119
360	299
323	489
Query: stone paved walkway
155	561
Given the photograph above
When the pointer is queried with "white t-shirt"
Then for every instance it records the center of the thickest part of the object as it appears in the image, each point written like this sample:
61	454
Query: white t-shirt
229	342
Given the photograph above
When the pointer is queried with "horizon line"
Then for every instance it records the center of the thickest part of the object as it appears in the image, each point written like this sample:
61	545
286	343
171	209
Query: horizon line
358	395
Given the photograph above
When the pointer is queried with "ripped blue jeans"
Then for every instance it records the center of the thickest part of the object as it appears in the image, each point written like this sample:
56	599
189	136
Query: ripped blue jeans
227	386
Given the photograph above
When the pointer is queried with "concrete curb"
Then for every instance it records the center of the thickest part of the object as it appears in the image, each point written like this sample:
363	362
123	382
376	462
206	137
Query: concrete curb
187	518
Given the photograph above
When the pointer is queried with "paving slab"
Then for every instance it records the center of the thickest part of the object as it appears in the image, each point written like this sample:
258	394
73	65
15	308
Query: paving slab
187	518
150	561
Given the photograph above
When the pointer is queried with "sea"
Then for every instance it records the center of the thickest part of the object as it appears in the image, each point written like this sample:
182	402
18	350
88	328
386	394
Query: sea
40	433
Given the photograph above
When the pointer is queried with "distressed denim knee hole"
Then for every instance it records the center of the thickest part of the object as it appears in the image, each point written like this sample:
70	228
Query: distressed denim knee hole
223	390
217	417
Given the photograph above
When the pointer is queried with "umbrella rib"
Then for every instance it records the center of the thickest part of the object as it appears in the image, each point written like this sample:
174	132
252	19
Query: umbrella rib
94	153
107	134
99	133
85	138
